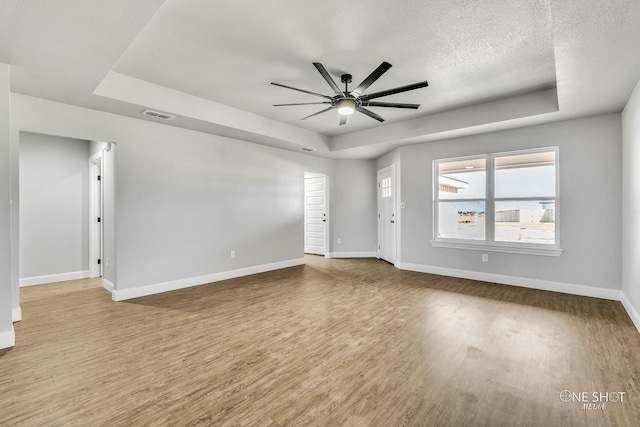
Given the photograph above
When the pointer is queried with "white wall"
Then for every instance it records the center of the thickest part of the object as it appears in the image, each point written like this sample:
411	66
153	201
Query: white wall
15	220
109	261
7	337
185	199
631	202
353	208
590	203
95	147
54	208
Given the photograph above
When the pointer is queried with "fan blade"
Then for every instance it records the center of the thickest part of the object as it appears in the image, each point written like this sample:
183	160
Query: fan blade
370	114
328	78
382	68
319	112
343	119
390	104
394	91
301	103
302	90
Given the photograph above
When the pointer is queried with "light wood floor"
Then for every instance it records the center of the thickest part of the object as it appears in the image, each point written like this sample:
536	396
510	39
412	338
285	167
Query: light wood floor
332	343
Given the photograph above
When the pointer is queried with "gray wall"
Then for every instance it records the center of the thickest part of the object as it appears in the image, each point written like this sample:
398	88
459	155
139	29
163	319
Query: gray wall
590	202
391	158
631	199
54	205
6	325
185	199
354	206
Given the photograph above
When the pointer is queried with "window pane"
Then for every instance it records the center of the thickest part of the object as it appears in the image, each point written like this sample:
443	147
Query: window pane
526	221
385	187
461	220
526	175
463	179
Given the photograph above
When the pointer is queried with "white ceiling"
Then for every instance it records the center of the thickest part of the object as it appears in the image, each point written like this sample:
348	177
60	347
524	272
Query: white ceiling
490	65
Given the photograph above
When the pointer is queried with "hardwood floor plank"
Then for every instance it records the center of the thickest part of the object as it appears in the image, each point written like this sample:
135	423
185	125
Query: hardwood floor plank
334	342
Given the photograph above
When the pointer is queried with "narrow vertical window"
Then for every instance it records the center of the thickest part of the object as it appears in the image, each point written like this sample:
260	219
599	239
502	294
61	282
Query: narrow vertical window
385	187
462	199
525	198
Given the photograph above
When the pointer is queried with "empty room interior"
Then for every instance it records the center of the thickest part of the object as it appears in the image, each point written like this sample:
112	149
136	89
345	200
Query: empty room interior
363	213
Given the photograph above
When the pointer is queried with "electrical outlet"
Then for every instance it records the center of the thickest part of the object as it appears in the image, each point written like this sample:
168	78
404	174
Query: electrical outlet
485	257
339	240
108	262
233	254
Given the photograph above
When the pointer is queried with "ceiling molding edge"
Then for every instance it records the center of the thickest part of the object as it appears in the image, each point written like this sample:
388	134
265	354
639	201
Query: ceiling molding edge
128	89
450	123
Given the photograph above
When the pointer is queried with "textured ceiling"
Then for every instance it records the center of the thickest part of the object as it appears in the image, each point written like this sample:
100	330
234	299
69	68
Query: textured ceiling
491	65
229	52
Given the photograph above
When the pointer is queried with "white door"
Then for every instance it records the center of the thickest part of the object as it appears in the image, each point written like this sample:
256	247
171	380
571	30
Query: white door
386	215
315	215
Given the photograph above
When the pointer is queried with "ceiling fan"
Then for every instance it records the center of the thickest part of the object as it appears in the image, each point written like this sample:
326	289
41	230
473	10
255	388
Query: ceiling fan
355	100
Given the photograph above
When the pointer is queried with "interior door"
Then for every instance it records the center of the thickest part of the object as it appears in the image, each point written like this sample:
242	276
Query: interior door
386	215
315	215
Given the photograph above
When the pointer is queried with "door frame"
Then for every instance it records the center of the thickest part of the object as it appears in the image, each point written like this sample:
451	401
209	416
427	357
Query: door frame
395	211
96	232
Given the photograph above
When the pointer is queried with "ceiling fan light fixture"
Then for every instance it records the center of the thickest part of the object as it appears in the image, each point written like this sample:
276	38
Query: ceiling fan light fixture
346	106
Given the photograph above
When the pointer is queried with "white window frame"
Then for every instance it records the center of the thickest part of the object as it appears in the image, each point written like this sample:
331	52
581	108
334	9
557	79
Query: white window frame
489	244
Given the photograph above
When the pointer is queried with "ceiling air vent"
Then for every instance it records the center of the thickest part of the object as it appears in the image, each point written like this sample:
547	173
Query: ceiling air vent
158	115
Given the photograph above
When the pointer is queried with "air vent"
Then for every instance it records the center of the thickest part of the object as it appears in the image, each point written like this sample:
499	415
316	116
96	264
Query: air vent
307	149
158	115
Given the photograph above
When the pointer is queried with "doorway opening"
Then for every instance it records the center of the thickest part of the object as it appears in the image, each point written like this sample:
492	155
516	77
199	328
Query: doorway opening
61	201
53	208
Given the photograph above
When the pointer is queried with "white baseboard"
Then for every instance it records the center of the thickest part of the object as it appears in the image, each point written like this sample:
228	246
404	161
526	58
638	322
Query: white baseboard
545	285
16	314
631	311
351	254
52	278
108	285
8	338
124	294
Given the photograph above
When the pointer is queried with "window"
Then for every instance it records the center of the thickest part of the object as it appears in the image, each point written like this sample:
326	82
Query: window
385	187
500	202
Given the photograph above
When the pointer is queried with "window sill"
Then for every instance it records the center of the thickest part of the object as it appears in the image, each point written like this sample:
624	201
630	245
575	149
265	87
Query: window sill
522	250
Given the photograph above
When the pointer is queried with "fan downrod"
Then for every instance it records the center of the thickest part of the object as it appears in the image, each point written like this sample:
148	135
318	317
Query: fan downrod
346	79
